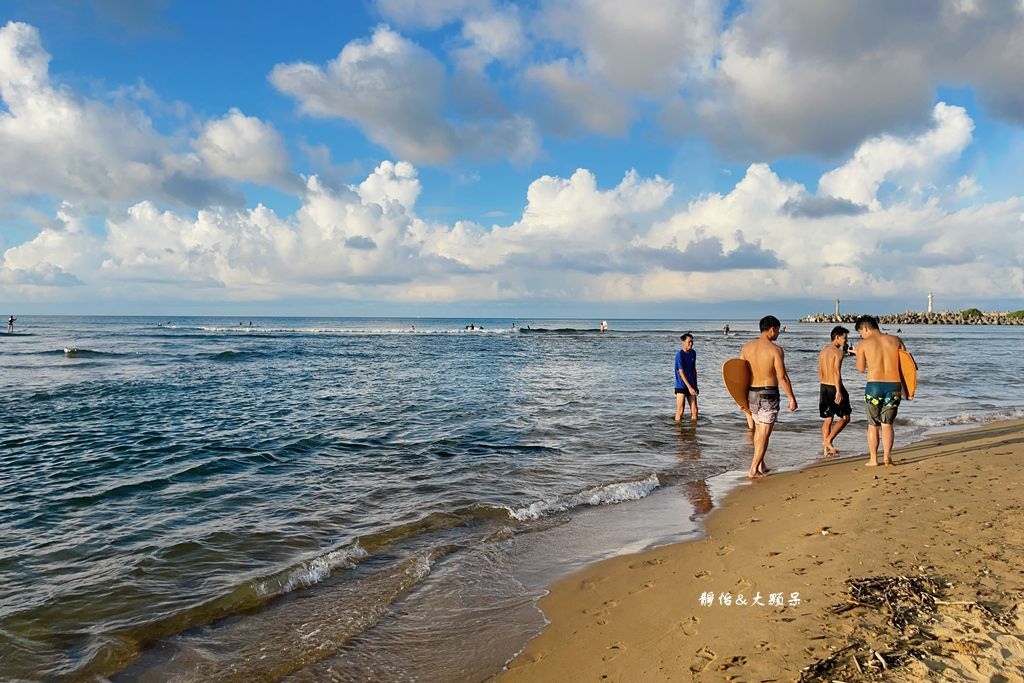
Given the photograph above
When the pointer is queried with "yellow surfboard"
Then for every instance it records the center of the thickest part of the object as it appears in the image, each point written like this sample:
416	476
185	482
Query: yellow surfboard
908	372
736	373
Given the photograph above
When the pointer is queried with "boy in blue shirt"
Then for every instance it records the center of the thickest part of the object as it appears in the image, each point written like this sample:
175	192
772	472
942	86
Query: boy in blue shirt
686	377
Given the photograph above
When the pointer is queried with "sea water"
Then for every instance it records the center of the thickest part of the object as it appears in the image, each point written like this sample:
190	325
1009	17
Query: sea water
350	499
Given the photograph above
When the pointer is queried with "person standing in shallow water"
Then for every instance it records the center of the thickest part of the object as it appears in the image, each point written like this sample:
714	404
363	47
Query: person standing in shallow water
767	373
686	377
878	354
10	324
833	398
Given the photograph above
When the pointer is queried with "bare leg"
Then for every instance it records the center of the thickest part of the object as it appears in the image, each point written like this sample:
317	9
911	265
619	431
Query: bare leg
762	432
750	421
833	432
692	400
826	427
872	446
679	407
888	438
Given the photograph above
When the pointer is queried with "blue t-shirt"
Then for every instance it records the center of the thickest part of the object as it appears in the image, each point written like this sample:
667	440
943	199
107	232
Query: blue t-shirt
687	362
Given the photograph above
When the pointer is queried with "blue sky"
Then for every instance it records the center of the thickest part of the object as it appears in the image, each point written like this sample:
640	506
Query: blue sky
447	157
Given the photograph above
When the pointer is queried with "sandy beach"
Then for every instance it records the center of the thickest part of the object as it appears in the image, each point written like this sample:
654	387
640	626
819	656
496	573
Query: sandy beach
906	573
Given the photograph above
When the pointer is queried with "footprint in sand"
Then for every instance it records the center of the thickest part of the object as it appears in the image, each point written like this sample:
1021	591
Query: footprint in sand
614	650
738	660
689	626
701	574
601	612
647	586
647	563
704	658
743	585
724	550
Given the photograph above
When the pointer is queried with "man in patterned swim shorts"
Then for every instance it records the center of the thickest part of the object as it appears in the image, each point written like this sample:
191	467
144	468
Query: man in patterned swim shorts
767	374
878	354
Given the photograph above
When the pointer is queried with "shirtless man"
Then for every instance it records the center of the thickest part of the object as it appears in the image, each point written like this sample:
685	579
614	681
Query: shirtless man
833	399
768	373
878	355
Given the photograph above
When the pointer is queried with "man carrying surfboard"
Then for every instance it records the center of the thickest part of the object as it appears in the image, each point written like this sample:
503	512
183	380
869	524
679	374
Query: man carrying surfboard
878	354
833	400
767	374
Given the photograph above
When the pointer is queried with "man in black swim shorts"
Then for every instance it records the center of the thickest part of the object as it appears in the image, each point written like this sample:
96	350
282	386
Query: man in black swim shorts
833	398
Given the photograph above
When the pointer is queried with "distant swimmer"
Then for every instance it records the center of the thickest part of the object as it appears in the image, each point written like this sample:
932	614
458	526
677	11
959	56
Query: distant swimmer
833	398
725	330
604	325
10	325
878	354
767	374
686	378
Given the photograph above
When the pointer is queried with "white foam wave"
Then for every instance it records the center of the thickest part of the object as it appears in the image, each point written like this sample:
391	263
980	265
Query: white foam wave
346	330
312	572
967	418
609	494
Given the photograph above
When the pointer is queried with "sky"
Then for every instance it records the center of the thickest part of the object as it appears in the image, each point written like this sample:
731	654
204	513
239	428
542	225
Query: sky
551	158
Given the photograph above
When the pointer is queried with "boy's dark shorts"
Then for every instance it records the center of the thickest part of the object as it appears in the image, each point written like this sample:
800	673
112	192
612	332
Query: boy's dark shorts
827	406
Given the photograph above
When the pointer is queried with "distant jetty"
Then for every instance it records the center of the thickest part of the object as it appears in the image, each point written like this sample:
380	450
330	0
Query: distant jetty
971	316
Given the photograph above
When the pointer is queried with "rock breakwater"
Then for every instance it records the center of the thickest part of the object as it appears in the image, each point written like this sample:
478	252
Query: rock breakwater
969	317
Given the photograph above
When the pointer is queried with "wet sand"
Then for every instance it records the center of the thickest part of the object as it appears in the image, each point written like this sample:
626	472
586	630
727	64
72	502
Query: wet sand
942	531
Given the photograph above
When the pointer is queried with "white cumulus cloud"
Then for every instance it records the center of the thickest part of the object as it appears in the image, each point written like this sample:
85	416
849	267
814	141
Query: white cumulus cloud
394	90
889	157
243	148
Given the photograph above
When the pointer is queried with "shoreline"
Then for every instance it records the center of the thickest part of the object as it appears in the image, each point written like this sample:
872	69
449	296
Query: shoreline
803	534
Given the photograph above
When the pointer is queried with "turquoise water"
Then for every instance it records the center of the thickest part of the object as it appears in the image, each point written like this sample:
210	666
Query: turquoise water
313	499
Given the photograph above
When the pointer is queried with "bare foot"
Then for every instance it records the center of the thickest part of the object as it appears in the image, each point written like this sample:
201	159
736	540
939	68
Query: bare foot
890	463
871	463
755	475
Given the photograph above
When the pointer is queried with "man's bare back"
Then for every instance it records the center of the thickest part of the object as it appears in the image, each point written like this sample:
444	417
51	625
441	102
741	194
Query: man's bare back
830	363
766	362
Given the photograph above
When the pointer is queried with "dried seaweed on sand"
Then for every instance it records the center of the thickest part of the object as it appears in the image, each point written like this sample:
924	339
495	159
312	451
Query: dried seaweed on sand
906	601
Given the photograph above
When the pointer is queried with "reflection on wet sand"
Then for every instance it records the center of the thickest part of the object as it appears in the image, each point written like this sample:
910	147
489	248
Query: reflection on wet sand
696	491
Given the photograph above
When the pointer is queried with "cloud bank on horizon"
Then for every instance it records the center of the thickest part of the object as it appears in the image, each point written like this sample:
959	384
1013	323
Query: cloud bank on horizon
120	195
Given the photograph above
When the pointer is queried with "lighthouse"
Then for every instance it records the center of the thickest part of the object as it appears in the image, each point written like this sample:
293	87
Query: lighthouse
929	302
837	307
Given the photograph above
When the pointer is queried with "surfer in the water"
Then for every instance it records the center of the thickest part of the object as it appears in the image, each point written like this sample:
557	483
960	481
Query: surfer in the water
833	398
686	377
879	355
767	374
10	324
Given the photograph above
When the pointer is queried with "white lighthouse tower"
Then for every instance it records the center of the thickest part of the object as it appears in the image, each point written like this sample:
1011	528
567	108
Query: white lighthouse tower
837	307
930	301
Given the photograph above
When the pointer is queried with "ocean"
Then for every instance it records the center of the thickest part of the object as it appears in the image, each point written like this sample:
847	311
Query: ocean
307	499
